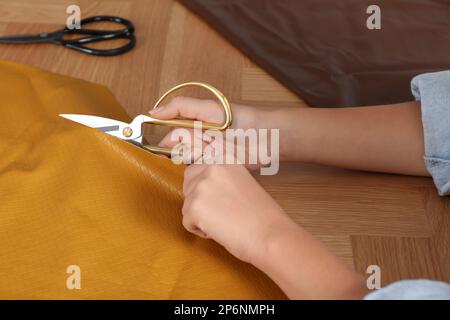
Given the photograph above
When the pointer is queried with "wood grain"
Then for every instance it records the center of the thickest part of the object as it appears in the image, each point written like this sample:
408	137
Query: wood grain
397	222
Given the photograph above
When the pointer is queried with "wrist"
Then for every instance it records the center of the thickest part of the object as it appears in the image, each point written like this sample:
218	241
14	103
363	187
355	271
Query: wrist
299	132
245	117
304	268
302	134
274	237
299	129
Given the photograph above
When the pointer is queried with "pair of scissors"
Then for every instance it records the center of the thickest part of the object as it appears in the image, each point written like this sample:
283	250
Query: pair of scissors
133	132
88	36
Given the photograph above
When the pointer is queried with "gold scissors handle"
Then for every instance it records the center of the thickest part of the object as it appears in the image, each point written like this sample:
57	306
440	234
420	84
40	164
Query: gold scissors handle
190	123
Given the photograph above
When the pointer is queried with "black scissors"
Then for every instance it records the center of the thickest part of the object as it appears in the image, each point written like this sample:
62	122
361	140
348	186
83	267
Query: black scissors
92	35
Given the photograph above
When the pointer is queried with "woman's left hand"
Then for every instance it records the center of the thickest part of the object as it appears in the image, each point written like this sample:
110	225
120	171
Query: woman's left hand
226	204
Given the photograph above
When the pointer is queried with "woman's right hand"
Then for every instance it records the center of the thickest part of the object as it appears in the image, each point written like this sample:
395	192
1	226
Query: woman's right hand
244	117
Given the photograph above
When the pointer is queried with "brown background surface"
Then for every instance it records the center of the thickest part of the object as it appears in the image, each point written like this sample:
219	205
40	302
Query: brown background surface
396	222
324	51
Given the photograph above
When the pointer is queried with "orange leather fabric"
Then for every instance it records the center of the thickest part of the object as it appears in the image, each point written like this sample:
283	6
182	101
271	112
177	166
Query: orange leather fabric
72	195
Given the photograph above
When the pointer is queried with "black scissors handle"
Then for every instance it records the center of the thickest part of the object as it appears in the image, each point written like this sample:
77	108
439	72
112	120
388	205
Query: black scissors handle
92	35
100	35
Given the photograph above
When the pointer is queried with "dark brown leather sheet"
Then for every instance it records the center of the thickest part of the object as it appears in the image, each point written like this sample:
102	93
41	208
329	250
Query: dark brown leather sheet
324	52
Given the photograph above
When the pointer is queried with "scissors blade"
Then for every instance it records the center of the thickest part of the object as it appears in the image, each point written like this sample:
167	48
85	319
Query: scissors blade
109	126
27	38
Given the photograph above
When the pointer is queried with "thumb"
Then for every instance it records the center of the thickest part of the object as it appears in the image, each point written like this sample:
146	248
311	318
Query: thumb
190	108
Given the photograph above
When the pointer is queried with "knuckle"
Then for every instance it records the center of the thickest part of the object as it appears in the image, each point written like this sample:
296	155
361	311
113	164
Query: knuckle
201	188
194	197
213	170
211	102
186	223
195	207
209	171
188	172
180	135
185	187
177	101
186	208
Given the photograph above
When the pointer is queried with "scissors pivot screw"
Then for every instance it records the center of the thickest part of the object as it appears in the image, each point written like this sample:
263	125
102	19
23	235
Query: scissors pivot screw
127	132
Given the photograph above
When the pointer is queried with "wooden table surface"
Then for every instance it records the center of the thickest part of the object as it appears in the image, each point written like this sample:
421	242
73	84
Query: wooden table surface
396	222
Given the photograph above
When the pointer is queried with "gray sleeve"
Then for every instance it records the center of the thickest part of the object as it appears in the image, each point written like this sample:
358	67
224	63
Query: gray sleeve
412	290
433	90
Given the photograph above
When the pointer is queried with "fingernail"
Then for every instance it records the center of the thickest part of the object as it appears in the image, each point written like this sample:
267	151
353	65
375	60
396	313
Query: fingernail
155	111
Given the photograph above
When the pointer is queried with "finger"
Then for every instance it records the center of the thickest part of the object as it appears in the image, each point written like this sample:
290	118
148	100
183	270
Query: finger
216	147
190	224
173	138
189	185
185	136
191	144
193	170
191	108
199	232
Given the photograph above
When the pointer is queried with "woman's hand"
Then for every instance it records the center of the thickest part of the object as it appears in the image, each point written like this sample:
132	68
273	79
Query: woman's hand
381	138
244	117
226	204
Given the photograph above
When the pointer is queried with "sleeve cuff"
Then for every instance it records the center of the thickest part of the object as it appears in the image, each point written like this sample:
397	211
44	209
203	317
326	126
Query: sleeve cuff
412	290
433	90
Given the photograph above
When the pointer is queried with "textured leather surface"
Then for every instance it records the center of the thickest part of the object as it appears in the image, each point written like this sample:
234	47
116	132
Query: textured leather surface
323	51
72	195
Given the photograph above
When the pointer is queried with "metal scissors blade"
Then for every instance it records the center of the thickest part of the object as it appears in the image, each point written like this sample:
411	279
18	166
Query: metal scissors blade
30	38
131	132
109	126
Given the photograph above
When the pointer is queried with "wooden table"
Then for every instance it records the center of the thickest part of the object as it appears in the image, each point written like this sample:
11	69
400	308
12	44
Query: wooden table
396	222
